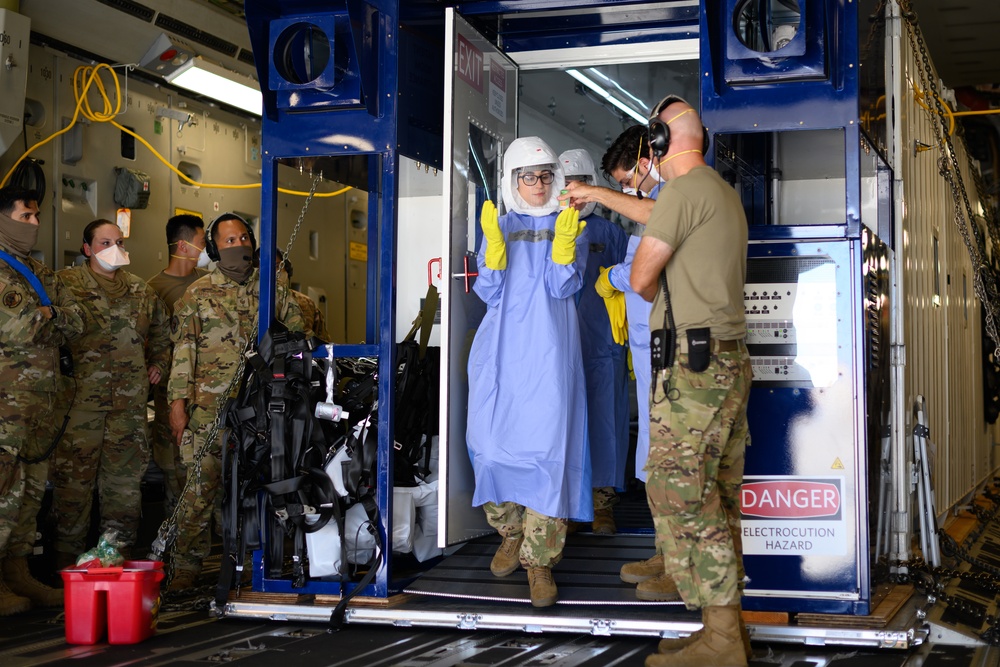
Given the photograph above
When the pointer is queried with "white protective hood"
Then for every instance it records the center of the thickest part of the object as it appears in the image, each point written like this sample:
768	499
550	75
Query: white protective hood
530	152
577	162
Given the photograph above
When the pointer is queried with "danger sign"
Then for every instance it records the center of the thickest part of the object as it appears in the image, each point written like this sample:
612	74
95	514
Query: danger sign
790	499
793	516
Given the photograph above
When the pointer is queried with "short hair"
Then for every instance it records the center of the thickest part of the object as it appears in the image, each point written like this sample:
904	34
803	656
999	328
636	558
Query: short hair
223	218
624	151
183	228
10	195
91	229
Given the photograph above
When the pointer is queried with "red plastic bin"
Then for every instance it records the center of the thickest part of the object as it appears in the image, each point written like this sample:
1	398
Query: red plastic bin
124	601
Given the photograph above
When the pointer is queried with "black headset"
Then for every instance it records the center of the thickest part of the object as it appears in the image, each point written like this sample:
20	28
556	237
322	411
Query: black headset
210	246
659	132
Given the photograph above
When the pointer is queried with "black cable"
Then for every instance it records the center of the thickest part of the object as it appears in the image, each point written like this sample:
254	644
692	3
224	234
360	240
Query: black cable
30	176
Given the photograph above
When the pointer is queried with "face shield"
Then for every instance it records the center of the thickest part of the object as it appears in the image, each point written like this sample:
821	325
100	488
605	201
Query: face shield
530	154
577	165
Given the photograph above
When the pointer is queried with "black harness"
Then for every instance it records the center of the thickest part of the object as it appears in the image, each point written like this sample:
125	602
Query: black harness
274	454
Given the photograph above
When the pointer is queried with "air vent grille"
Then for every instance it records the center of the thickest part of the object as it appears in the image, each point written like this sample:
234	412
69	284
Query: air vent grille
132	8
195	35
246	56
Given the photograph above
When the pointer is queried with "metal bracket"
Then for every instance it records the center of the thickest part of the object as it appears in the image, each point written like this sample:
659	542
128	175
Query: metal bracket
601	627
182	117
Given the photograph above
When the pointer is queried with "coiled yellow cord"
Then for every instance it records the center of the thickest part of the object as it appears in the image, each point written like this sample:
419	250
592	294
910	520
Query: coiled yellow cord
85	77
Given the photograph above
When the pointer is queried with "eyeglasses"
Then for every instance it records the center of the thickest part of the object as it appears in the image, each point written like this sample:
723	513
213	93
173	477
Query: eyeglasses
628	181
577	179
546	178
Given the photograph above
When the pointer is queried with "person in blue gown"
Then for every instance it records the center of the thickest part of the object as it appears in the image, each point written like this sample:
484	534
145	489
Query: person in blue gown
527	419
604	353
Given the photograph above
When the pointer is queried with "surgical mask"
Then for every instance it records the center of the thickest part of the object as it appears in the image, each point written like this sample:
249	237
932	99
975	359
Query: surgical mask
203	259
629	191
236	262
18	236
112	258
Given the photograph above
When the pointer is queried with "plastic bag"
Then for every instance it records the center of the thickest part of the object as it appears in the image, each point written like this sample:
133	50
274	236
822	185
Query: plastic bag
105	554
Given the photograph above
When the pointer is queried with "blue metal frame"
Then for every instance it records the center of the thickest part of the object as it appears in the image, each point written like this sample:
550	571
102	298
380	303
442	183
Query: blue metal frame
812	87
794	95
314	122
787	422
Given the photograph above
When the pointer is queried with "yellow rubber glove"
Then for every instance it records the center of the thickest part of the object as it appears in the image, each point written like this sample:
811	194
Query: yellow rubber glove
614	301
568	227
496	247
631	368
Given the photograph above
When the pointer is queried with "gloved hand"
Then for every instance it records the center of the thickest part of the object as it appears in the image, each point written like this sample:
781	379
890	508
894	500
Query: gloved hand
496	247
614	301
568	227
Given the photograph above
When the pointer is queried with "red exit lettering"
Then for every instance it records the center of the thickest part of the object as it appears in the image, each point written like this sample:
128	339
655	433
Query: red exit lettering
791	499
470	64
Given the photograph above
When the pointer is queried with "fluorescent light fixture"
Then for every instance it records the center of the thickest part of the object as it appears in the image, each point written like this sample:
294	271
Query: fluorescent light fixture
626	109
220	84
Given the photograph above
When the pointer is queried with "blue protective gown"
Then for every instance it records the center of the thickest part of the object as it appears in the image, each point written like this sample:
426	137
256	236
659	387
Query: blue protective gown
527	423
637	310
604	361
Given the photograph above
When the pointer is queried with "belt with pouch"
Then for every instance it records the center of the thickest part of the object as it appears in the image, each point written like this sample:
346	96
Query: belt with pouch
717	345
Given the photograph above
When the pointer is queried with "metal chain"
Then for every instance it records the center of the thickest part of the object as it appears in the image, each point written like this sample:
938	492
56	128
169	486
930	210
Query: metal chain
984	279
932	581
167	533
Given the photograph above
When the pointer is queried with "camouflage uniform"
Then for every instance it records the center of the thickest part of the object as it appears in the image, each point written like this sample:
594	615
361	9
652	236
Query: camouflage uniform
211	325
106	442
544	536
695	466
29	370
312	316
164	445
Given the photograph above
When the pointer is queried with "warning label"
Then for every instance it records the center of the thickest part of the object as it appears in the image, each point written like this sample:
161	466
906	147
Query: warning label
793	516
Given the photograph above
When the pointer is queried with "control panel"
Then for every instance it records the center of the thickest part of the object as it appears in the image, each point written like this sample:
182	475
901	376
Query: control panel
791	315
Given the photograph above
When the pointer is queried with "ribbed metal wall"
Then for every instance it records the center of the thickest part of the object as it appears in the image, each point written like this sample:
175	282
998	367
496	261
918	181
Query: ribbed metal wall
943	343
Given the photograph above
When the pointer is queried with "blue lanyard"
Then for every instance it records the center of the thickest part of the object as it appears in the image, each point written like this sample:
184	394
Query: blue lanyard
16	264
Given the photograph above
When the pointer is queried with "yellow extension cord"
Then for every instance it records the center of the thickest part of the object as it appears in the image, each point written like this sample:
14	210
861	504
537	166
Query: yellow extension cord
86	76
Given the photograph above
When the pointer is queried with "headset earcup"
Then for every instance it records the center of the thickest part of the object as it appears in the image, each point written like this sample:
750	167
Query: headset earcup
659	137
211	249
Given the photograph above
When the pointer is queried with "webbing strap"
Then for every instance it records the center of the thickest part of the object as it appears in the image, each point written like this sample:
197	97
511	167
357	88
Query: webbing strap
36	284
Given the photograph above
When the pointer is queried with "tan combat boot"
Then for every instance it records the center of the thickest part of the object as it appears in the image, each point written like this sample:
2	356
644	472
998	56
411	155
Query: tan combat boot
720	643
642	570
660	588
20	581
507	557
676	644
10	602
543	589
604	522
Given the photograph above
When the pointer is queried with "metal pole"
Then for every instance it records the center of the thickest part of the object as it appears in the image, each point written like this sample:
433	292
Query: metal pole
900	547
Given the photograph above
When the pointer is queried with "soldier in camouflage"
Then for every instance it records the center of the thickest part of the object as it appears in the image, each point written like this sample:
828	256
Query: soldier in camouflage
211	326
30	336
188	261
697	238
125	348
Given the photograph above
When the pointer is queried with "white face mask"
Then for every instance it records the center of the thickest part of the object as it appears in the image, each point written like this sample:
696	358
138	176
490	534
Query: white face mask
112	258
629	191
203	260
